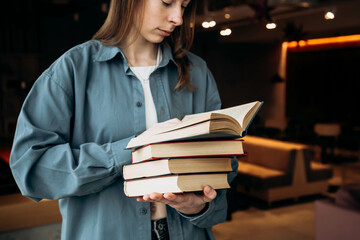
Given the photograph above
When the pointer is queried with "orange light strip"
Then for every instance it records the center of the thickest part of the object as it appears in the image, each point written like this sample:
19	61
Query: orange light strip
323	41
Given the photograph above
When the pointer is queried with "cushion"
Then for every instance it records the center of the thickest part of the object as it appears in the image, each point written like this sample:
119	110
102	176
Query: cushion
348	196
260	177
316	171
269	156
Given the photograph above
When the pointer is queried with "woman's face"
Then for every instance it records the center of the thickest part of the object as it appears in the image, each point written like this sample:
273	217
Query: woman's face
160	18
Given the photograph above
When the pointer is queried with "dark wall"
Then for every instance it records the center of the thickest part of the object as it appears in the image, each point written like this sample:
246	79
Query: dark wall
243	71
324	85
60	33
34	33
46	29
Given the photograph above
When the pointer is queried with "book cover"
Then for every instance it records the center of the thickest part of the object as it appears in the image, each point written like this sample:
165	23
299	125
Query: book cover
176	166
175	184
211	148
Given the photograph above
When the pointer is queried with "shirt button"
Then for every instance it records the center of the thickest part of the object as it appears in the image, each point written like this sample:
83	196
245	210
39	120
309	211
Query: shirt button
138	104
142	211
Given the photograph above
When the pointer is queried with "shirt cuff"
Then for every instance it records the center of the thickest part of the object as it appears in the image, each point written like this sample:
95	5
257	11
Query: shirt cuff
120	154
203	213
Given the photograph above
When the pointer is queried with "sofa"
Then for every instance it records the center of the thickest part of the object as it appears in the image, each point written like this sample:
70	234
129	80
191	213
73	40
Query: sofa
274	170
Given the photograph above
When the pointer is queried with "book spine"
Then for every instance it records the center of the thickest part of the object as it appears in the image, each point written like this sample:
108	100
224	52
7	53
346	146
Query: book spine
125	189
191	156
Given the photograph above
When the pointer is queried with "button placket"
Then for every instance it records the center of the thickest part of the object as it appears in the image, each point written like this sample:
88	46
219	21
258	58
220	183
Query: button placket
143	211
138	107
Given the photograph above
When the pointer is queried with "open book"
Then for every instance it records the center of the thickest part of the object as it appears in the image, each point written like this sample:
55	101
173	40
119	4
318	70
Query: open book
225	123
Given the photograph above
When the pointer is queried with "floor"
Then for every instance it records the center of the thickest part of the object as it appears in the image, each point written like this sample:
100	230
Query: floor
44	232
293	221
283	220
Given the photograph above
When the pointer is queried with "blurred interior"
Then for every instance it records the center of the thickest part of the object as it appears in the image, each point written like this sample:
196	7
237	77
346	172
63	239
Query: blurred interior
305	67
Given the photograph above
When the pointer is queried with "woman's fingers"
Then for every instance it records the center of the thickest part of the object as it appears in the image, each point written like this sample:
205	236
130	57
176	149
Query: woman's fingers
185	202
209	194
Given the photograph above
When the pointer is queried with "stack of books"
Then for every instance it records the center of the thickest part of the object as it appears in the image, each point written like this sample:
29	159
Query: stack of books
187	155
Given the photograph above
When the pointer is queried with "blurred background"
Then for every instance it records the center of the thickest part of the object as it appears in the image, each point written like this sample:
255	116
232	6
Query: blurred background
301	57
301	84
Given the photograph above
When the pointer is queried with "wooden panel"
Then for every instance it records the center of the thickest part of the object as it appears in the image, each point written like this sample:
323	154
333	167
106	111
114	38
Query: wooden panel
17	212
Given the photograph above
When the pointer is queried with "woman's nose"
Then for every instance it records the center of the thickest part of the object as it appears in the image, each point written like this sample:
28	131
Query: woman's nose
176	16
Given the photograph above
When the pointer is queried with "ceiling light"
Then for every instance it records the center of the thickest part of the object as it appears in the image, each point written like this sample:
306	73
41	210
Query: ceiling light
304	4
104	7
209	24
329	15
212	23
271	25
351	40
76	17
205	24
225	32
227	16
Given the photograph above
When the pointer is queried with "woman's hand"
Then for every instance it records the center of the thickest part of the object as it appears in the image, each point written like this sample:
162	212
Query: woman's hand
186	203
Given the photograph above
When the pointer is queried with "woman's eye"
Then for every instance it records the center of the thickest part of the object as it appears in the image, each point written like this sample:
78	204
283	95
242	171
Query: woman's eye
166	3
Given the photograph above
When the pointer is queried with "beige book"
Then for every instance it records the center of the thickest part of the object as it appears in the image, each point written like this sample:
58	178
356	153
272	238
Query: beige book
175	184
176	166
214	148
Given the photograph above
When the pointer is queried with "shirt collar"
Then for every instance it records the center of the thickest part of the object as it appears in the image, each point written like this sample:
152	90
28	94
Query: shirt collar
166	56
107	53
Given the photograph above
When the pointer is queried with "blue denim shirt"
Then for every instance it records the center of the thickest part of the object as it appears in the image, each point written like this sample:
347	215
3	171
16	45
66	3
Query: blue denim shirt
72	132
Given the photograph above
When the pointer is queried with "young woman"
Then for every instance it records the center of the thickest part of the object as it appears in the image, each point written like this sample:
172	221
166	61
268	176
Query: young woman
83	110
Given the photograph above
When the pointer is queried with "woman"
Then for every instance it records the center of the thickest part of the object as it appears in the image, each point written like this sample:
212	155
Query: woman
83	110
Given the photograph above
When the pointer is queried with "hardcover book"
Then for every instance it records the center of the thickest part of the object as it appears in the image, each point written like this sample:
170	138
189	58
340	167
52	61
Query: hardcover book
214	148
225	123
176	166
175	184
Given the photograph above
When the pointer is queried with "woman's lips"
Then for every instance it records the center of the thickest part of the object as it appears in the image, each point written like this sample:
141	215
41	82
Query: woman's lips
164	33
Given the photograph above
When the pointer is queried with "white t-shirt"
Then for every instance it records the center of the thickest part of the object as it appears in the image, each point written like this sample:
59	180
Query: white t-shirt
143	74
158	210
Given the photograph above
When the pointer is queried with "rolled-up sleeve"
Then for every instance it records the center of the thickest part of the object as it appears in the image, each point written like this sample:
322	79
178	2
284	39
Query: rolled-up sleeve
43	160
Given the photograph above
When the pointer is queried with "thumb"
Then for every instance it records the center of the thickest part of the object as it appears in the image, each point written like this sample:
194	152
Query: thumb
209	194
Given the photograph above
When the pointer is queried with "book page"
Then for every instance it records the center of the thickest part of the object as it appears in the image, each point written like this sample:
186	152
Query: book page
175	129
159	127
237	112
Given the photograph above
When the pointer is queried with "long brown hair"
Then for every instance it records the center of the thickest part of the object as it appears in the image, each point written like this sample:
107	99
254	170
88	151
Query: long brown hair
123	13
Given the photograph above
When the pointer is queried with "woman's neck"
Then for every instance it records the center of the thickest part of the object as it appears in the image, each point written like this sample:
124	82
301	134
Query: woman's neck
140	54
